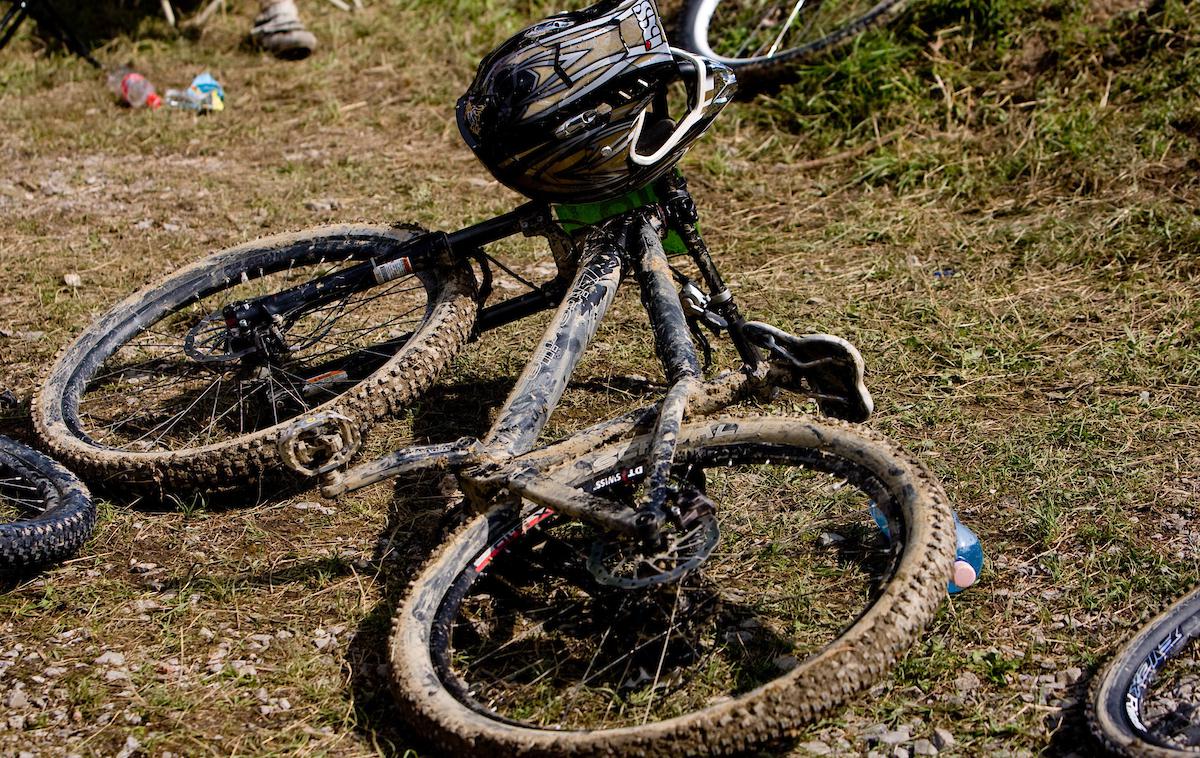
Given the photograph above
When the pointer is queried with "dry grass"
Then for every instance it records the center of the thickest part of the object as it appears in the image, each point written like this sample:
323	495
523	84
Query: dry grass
1017	264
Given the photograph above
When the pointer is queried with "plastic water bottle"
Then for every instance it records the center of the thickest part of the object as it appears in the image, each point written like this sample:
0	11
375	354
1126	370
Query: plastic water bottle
133	89
205	94
968	552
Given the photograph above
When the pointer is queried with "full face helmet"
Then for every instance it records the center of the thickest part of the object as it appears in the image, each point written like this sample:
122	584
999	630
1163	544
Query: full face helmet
574	108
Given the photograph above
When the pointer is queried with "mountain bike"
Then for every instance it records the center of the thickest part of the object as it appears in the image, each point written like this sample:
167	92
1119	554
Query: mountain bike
671	580
762	39
1144	703
46	514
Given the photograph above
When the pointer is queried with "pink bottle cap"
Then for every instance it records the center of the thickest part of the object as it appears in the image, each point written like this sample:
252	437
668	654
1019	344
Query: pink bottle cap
964	574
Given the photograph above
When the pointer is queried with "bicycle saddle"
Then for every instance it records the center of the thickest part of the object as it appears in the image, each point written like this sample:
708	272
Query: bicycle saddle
831	366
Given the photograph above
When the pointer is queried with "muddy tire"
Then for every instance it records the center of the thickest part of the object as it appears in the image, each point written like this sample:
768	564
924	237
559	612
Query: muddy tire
438	660
704	24
47	513
1116	702
137	353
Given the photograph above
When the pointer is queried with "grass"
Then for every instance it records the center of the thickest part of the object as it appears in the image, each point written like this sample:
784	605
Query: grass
1013	248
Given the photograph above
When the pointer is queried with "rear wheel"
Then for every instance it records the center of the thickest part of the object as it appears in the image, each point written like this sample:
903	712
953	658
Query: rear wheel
530	633
760	39
155	392
1146	702
46	514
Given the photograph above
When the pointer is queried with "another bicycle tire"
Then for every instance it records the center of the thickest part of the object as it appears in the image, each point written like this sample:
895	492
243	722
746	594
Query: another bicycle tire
46	514
1126	708
756	40
133	399
507	644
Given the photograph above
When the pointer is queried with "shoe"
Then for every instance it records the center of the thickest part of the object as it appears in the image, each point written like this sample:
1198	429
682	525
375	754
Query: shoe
279	31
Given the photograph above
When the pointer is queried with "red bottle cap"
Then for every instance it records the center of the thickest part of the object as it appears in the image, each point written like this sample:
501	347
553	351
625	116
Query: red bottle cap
153	101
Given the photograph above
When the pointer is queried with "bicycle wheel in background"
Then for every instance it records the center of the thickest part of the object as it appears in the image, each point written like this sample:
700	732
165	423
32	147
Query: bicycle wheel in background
46	514
530	634
153	391
761	39
1146	702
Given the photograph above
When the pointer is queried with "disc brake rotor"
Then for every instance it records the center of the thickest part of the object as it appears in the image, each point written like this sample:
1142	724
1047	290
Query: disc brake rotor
684	547
209	341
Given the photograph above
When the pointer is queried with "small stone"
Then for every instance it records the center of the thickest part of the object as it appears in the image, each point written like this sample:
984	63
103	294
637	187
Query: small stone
72	280
816	747
322	204
131	747
17	698
967	681
168	226
32	335
111	658
16	722
309	506
924	747
895	736
1071	675
942	738
206	633
829	539
900	752
114	675
873	732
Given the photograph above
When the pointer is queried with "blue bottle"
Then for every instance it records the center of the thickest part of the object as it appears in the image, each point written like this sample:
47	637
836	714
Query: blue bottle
968	553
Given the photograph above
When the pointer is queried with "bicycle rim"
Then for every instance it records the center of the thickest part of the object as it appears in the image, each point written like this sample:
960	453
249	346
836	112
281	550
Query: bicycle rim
760	32
1147	700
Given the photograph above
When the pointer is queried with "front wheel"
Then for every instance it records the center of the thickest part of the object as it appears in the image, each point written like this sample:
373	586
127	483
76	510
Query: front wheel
155	393
511	642
1144	703
761	39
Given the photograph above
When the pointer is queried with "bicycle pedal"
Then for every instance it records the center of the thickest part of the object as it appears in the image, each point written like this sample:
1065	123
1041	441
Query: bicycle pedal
319	443
823	366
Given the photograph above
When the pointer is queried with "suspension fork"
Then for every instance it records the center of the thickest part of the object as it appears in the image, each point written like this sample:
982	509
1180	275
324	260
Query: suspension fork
682	214
673	343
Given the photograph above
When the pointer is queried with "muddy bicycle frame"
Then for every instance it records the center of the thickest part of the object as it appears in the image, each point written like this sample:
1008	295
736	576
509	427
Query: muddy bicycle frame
504	460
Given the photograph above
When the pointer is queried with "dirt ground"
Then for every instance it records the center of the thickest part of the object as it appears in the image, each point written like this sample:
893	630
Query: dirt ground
1032	333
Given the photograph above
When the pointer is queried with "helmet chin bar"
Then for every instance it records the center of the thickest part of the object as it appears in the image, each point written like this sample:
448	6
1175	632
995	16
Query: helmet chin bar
705	85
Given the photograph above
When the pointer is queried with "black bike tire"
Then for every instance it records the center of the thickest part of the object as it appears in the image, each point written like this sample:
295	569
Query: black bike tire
1134	667
446	326
854	661
65	522
754	73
